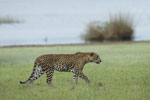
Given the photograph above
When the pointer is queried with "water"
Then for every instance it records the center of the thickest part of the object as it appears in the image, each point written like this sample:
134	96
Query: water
63	21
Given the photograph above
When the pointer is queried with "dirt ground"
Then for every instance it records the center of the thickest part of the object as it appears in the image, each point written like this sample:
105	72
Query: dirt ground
95	43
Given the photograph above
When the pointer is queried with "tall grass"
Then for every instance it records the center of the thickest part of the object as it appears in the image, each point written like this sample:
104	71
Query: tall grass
118	28
8	20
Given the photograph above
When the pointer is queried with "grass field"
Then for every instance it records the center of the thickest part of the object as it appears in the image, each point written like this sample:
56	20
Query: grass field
124	74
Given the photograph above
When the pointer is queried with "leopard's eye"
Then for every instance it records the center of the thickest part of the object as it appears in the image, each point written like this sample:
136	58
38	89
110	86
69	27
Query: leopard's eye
97	57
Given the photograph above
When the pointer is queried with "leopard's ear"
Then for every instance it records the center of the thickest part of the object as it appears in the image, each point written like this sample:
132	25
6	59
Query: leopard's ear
91	54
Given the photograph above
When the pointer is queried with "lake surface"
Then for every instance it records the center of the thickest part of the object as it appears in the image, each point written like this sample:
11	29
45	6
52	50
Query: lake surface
63	21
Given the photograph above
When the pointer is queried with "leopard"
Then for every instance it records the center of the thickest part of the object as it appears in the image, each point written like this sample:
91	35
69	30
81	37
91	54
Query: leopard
74	63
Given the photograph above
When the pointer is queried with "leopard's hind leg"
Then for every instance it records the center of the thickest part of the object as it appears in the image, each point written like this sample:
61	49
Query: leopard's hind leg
49	74
36	73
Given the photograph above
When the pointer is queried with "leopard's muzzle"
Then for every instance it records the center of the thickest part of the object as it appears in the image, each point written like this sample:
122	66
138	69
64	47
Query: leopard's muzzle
99	61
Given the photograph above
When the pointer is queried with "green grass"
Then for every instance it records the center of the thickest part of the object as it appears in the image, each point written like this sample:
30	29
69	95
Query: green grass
124	74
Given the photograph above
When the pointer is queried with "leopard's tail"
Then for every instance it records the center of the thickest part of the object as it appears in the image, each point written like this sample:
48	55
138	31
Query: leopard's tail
31	76
23	82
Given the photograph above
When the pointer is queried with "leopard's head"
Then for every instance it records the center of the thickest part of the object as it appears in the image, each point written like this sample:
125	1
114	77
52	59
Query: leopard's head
94	57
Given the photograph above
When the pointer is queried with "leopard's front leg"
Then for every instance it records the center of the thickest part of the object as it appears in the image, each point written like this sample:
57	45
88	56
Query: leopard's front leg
81	75
75	78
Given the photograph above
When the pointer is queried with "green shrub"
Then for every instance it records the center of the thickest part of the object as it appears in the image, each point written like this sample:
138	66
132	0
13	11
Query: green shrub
116	29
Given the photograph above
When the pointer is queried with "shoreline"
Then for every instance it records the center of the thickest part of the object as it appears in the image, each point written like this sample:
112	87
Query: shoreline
80	44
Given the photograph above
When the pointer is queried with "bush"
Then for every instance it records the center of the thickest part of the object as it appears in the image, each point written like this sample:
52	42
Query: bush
94	33
8	20
116	29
